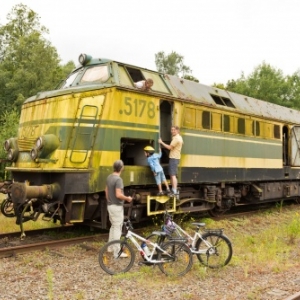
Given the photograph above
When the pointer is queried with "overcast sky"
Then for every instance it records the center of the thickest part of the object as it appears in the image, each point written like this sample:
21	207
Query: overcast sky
218	39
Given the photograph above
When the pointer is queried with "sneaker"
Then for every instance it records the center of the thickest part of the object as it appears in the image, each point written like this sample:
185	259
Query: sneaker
160	194
123	255
170	194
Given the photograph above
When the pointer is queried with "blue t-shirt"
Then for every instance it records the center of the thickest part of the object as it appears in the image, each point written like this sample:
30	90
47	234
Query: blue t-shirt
153	161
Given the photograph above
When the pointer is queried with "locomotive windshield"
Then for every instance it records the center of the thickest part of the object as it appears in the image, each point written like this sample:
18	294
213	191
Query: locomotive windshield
68	82
94	74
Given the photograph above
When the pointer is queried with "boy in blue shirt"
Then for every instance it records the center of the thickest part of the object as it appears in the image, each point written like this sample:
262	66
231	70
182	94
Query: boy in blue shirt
156	168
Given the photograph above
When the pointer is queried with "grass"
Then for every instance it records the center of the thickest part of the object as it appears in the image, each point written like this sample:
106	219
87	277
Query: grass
263	243
9	224
266	240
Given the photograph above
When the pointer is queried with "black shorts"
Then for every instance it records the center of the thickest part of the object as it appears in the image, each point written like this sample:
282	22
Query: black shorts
173	166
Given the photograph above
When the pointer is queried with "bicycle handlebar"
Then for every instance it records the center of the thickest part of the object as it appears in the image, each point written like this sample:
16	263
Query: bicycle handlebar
167	216
128	225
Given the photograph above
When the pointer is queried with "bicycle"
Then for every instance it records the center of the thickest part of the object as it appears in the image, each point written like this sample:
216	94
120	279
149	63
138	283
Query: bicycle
212	247
7	208
173	258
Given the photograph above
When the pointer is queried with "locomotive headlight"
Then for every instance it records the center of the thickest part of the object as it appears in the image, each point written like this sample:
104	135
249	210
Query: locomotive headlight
84	59
11	147
12	154
7	145
44	146
10	143
39	143
33	154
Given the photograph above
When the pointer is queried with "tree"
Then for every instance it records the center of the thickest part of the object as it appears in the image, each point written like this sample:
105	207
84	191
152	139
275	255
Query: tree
28	62
22	22
266	83
173	64
293	83
9	129
191	78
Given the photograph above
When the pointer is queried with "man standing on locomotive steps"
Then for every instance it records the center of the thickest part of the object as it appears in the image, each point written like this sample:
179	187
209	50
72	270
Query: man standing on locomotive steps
174	155
115	203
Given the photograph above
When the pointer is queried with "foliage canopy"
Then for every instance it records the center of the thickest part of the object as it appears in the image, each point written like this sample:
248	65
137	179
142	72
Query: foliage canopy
173	64
269	84
28	61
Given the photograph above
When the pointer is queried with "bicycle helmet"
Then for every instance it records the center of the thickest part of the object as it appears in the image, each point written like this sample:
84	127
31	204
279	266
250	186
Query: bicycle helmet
149	149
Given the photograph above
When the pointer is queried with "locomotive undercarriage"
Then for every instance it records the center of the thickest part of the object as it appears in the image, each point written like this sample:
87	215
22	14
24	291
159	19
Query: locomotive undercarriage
29	202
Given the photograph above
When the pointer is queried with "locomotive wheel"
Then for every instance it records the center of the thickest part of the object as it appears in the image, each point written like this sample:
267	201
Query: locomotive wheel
217	212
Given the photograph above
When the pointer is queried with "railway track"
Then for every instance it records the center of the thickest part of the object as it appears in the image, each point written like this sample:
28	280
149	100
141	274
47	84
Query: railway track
34	232
245	210
14	250
42	239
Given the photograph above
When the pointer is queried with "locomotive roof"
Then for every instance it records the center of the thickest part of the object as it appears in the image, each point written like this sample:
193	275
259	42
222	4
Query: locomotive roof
216	97
186	90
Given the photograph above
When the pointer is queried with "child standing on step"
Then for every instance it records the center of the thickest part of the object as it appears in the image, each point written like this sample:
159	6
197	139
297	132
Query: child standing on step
156	168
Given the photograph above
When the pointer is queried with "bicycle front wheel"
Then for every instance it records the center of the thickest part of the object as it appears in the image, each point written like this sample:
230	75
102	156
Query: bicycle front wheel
116	257
7	208
177	261
215	250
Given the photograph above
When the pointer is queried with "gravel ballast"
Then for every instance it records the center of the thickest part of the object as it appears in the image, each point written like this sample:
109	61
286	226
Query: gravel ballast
74	273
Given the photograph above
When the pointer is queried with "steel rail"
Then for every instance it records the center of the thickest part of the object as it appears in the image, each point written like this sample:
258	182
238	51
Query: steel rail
13	251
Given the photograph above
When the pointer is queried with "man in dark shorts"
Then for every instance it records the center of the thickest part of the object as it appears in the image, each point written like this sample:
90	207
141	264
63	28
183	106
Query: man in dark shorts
174	155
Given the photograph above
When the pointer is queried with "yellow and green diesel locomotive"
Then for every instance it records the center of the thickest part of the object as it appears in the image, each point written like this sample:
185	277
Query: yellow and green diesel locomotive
237	150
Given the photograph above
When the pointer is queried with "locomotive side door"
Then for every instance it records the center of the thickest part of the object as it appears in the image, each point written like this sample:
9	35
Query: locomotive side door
166	113
295	146
83	134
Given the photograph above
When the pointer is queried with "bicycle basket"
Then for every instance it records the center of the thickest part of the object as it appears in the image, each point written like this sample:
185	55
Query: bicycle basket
169	228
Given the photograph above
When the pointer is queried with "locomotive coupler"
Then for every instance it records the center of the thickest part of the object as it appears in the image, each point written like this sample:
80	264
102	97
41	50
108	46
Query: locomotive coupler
24	196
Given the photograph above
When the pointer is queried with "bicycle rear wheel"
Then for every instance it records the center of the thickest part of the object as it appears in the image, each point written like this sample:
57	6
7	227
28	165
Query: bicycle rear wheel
216	250
178	261
120	262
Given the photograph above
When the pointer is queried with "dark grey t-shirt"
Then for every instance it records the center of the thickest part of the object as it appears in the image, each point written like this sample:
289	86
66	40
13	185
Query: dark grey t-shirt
114	182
